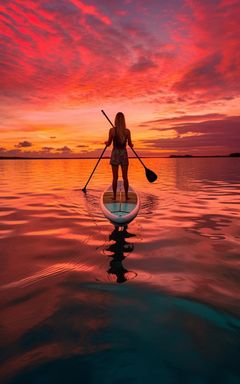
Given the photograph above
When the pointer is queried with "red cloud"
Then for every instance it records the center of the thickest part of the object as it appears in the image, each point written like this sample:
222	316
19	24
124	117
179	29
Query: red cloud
91	10
68	49
57	50
213	30
142	65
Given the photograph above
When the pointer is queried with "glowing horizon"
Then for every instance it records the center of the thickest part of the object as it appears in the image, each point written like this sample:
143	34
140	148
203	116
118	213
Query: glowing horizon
172	68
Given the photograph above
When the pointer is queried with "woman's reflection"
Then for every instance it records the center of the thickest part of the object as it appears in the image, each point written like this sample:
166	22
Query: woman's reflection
117	250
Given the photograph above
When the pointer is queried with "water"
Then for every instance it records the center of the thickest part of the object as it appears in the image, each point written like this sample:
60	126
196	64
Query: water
156	302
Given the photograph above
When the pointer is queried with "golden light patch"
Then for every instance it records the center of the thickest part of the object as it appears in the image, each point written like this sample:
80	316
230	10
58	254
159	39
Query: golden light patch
191	134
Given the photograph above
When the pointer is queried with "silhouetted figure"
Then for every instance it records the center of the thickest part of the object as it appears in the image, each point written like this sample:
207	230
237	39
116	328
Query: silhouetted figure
118	249
119	136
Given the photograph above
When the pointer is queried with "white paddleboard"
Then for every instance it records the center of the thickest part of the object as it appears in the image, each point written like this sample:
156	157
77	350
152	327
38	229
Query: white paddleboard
120	211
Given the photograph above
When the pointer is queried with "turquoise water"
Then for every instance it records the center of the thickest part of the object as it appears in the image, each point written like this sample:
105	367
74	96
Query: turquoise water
82	302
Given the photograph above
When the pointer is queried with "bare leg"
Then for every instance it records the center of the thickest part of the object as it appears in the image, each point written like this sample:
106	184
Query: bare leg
125	179
115	179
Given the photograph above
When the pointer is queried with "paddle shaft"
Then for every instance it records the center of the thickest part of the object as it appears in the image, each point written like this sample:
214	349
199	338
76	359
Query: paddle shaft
84	189
107	118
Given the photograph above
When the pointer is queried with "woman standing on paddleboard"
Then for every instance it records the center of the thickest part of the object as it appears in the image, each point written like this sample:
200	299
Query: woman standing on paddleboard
119	136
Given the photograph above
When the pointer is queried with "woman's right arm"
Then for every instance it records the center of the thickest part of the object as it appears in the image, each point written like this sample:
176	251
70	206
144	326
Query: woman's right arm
129	139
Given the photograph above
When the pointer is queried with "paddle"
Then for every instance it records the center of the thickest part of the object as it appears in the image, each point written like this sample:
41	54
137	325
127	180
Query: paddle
84	188
150	175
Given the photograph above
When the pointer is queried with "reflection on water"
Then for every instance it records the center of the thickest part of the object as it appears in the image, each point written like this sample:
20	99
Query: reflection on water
175	318
117	249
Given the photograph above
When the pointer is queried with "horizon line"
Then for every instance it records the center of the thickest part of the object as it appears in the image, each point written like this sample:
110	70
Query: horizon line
107	158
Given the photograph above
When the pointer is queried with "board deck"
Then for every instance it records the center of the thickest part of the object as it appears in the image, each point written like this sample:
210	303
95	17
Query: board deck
120	211
120	198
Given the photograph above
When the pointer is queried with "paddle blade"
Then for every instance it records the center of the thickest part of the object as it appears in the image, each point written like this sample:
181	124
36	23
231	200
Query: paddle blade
150	175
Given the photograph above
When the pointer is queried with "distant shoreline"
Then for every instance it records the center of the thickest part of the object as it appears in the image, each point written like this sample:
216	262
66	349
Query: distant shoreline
107	158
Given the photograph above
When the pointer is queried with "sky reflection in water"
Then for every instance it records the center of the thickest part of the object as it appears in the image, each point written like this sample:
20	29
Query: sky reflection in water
174	313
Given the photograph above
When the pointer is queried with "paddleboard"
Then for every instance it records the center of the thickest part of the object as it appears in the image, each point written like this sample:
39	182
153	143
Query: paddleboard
120	211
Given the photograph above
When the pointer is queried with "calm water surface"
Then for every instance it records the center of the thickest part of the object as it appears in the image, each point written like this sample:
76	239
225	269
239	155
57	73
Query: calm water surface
84	303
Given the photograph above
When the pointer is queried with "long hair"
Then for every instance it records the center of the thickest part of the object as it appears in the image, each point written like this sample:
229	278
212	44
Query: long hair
120	127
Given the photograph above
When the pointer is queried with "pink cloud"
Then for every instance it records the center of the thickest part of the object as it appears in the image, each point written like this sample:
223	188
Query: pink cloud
91	10
213	30
68	49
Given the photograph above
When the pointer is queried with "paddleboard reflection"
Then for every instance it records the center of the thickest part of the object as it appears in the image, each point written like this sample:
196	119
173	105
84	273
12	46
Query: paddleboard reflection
119	250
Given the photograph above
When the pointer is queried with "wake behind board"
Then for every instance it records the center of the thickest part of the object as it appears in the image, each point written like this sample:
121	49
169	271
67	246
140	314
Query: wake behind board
120	211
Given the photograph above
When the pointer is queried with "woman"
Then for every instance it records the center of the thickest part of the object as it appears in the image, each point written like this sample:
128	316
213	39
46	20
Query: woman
119	136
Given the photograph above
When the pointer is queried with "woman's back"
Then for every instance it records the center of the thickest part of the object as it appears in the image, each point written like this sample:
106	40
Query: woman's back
120	142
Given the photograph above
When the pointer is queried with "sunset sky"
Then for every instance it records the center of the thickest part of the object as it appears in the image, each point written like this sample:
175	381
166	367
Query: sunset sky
173	68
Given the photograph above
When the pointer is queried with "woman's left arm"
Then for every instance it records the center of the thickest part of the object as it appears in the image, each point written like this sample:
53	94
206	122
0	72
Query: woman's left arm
110	138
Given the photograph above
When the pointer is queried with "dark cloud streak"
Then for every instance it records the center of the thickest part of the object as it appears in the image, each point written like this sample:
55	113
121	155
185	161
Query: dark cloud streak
23	144
208	136
64	149
183	118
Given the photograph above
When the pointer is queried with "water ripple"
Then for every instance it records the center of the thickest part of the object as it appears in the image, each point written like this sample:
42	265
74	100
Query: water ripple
84	299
